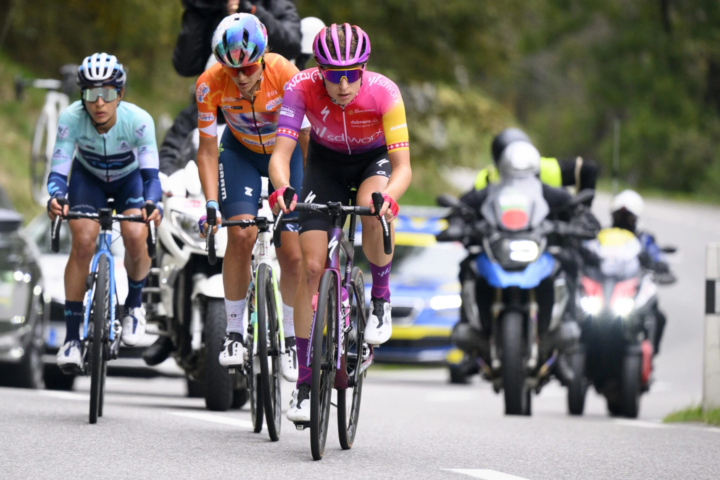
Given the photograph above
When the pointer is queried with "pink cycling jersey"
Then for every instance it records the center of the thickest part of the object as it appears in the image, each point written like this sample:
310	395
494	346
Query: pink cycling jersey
375	117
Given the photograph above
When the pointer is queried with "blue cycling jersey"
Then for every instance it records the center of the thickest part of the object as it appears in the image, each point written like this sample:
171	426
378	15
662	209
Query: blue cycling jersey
129	145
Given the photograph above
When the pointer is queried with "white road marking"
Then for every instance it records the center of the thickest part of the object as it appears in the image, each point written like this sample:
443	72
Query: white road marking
210	417
64	395
485	474
640	424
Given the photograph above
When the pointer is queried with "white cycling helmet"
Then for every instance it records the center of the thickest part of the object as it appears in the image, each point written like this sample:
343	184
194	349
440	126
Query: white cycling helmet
629	200
309	27
519	159
101	69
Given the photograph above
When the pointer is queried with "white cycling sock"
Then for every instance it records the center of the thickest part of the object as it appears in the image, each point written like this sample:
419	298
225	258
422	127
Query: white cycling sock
288	321
235	309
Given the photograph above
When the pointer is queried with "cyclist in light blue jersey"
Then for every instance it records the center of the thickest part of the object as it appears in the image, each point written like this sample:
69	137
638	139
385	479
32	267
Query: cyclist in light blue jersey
107	147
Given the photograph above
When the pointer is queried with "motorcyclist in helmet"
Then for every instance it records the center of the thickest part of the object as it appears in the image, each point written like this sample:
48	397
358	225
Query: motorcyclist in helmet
626	209
578	172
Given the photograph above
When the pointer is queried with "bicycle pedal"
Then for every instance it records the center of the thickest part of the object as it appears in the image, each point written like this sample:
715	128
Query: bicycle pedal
302	425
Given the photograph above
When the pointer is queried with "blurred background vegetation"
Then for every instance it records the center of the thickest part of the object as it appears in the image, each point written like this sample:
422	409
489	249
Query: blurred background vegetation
566	70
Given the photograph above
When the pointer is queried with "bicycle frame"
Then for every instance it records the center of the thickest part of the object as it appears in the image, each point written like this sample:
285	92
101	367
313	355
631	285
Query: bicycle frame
103	250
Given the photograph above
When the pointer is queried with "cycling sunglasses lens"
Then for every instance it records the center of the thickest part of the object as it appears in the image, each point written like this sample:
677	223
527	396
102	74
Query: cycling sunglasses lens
335	76
92	94
250	69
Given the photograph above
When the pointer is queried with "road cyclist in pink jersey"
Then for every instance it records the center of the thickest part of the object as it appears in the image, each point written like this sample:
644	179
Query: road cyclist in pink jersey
358	145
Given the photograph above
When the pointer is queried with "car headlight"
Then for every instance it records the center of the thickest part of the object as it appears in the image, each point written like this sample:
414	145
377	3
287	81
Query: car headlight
188	227
591	305
623	307
445	302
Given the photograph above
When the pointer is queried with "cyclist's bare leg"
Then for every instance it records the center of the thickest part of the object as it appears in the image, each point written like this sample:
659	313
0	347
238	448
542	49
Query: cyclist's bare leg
237	261
84	235
290	260
134	235
371	228
314	248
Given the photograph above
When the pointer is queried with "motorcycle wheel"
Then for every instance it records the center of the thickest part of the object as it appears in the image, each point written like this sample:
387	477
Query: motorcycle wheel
218	384
578	387
240	398
517	395
631	384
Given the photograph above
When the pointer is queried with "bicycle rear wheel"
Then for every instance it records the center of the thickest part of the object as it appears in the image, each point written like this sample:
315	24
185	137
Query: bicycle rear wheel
269	351
100	313
323	363
348	401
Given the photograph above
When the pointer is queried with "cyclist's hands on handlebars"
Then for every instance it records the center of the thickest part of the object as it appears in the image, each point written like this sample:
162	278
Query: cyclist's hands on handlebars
57	206
203	224
155	216
277	202
390	208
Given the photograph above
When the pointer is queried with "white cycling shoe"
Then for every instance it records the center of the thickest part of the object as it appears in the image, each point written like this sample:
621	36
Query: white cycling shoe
299	411
379	327
133	326
233	353
289	362
69	355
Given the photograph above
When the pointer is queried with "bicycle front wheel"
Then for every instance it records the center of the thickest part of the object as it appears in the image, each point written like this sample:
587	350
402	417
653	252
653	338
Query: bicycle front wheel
100	314
348	400
269	351
323	362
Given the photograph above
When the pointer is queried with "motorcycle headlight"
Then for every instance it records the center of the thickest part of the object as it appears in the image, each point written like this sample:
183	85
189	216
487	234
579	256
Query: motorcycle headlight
591	305
513	252
623	306
188	227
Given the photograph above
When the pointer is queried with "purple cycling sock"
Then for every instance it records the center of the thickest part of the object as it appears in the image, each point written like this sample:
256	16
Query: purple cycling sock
73	318
304	372
380	281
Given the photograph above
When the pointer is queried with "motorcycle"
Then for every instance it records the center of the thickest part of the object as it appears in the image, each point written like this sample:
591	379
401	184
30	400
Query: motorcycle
516	295
191	310
617	305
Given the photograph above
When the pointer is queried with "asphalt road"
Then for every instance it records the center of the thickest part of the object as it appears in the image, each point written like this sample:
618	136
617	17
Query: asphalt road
413	424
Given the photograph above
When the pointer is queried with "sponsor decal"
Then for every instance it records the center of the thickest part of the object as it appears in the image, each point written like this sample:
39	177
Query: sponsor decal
319	132
311	75
248	191
124	147
387	85
223	193
59	154
63	131
201	92
358	141
140	131
331	247
369	110
287	111
397	127
382	162
270	94
193	203
131	200
364	123
395	146
272	104
85	138
206	117
230	99
310	198
288	132
325	112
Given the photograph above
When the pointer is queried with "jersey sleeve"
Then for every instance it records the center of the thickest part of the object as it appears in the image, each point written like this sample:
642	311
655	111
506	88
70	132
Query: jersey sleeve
207	95
62	153
147	152
292	111
393	118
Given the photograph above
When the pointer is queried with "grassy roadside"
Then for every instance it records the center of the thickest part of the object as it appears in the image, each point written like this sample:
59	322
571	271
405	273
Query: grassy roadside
694	414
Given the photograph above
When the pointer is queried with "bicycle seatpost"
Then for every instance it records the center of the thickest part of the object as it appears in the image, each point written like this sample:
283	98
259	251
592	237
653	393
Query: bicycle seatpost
210	238
288	195
378	201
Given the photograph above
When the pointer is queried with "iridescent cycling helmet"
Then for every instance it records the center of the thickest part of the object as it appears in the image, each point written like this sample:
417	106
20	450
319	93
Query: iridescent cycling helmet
239	40
345	57
101	70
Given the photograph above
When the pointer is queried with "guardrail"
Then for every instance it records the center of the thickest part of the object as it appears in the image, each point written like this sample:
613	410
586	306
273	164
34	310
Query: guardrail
711	348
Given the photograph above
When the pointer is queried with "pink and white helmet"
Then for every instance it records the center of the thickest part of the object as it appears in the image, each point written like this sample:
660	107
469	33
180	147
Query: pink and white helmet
345	57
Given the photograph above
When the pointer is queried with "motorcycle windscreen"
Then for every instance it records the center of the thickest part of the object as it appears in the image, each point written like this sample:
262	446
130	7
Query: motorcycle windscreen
618	251
530	277
515	204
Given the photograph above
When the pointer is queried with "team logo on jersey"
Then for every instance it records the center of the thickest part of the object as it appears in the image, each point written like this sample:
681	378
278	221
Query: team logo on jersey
140	131
272	104
201	92
63	131
206	117
288	112
124	147
248	191
60	155
325	112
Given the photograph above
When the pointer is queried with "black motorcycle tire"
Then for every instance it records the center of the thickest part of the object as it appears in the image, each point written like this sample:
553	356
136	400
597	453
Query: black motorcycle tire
578	387
218	384
631	385
517	395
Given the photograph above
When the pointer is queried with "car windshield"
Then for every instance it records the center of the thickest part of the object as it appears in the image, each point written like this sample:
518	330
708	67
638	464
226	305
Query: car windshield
438	262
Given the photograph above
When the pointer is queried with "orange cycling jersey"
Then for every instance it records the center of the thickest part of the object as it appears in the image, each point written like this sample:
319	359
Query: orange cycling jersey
254	123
